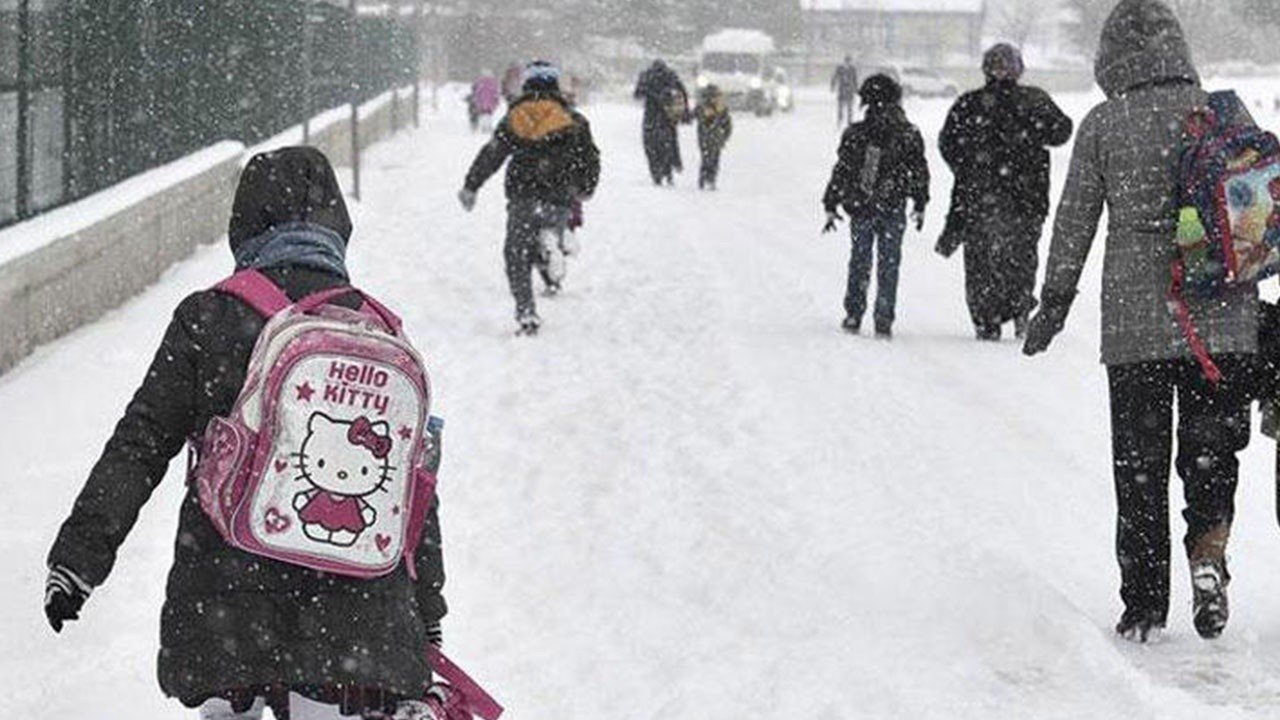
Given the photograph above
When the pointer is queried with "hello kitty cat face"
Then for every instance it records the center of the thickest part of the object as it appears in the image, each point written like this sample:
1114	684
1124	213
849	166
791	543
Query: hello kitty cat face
348	458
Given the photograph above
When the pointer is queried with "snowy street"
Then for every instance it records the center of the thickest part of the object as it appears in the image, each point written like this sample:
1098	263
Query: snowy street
691	496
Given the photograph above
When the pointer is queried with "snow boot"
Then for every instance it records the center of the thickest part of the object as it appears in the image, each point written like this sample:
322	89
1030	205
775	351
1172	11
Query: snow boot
1141	626
1209	580
884	331
529	324
987	333
852	325
551	256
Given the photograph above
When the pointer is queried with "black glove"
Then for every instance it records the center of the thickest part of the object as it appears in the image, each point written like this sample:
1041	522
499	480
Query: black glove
64	595
833	217
1047	323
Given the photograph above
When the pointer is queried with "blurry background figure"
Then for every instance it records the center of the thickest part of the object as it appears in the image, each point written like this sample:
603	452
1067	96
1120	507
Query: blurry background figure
512	82
995	141
483	102
715	125
844	83
666	105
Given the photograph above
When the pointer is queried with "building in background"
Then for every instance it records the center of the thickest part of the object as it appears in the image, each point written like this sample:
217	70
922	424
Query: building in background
932	31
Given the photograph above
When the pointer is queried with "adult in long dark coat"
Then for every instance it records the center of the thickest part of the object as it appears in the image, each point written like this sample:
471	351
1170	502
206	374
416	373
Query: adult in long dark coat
236	626
995	141
666	104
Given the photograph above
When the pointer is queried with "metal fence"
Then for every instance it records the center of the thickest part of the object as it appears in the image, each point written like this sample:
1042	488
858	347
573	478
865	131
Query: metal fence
94	91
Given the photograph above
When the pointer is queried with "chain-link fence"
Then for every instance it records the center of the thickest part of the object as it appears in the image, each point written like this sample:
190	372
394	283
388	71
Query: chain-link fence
94	91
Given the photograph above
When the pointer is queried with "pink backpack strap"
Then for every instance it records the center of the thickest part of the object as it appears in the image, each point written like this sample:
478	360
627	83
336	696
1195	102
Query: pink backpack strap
257	291
475	699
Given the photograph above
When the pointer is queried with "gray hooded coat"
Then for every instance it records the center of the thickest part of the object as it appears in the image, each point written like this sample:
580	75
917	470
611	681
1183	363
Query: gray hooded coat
1125	160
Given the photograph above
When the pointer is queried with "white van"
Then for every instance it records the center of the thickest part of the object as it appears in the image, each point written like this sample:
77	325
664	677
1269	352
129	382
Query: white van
740	63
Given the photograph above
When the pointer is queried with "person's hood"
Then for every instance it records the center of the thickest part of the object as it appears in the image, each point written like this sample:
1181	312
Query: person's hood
284	187
1142	44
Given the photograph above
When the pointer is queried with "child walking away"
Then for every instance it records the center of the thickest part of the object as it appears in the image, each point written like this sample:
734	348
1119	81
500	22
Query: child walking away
715	125
554	162
1126	159
880	166
307	570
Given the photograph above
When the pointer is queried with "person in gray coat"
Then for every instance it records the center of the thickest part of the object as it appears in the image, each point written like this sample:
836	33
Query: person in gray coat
1125	159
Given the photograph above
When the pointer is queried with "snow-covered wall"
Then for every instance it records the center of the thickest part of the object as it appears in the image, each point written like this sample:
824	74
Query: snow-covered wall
66	267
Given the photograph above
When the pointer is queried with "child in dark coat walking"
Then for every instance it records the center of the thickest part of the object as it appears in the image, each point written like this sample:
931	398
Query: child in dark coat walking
240	631
880	166
715	125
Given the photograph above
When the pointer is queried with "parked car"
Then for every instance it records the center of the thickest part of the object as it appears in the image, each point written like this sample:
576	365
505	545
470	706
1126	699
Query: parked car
920	81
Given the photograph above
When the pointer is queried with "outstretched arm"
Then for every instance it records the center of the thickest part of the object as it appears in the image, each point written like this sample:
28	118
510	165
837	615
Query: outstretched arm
153	429
490	158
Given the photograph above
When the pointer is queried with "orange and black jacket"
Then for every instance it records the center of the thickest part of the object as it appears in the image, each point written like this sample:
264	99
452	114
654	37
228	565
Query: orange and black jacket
553	157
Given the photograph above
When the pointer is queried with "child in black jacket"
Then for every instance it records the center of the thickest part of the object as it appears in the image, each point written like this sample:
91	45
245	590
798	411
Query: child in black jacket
715	125
880	166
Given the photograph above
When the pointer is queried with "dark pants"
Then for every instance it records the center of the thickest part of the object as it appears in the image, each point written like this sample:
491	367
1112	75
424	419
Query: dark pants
710	169
881	233
844	110
662	148
526	221
1213	425
1000	261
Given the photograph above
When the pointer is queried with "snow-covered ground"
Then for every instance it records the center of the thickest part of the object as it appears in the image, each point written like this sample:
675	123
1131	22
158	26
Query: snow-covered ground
692	496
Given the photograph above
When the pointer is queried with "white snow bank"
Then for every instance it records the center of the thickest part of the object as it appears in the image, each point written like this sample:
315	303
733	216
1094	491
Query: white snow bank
31	235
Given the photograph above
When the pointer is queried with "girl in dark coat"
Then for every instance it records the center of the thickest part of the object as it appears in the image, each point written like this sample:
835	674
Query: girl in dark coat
239	631
995	141
1125	160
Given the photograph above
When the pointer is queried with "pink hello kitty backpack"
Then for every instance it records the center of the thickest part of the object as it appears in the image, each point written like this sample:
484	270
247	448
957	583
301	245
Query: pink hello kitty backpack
321	462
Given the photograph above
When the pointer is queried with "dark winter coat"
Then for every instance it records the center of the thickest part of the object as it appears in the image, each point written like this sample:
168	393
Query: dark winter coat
845	81
902	172
995	141
661	89
553	156
715	125
1125	160
230	619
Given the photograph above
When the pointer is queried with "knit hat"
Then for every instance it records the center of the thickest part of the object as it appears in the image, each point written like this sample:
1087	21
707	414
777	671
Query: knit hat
541	75
880	89
1003	62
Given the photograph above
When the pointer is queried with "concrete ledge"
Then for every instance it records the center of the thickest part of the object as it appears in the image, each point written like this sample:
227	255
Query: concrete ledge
67	267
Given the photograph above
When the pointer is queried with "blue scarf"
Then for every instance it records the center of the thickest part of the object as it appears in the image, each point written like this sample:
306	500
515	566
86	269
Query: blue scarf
297	244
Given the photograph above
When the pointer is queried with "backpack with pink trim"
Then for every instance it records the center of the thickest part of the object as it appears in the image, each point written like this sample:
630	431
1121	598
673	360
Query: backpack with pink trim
322	460
1229	219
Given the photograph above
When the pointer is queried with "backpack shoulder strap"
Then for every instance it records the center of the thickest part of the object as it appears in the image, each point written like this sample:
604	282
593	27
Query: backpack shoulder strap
257	291
1230	110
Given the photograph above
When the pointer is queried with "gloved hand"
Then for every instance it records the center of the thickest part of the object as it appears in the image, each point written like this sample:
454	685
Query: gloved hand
833	217
64	595
917	217
1047	323
467	198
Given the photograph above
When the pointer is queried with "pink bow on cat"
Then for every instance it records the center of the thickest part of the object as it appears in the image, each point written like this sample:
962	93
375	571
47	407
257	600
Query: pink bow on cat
363	434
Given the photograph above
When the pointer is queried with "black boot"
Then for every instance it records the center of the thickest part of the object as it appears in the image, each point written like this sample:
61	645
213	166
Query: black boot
1140	626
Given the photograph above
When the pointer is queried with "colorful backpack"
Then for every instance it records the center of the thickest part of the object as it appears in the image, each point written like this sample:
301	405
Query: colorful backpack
1229	222
322	461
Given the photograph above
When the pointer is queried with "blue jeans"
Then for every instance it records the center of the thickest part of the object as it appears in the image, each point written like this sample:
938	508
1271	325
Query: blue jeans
883	233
